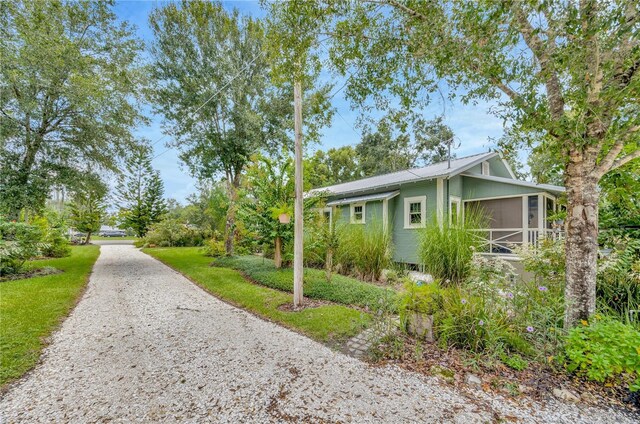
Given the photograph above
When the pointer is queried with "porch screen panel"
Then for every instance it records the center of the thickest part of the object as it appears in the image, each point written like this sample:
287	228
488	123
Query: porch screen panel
501	214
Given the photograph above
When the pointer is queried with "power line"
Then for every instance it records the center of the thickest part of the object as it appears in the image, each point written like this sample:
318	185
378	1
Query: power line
243	70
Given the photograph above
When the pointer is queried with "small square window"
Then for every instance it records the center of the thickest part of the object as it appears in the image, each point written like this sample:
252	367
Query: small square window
358	213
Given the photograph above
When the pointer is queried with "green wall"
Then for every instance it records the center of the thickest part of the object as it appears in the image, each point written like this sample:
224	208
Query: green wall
406	241
475	188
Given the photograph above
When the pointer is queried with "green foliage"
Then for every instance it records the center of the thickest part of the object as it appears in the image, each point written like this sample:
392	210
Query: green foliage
328	323
340	289
140	190
446	250
173	233
270	192
54	229
206	209
546	261
68	97
423	299
336	165
214	248
87	209
19	242
32	308
618	284
603	350
364	250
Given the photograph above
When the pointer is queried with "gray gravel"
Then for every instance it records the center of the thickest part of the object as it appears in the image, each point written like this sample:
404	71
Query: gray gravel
146	345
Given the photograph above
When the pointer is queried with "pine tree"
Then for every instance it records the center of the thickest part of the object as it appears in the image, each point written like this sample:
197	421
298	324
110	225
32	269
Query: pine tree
141	193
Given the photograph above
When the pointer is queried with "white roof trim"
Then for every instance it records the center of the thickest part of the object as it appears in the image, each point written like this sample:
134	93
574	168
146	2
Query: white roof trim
546	187
369	198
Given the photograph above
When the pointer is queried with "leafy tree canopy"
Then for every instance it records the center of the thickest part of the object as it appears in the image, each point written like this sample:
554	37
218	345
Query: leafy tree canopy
69	77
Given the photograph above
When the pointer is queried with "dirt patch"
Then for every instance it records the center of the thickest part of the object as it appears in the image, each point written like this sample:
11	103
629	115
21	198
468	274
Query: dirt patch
537	381
31	273
306	304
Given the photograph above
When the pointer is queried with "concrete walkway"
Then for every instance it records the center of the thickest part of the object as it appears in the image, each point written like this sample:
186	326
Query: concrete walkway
146	345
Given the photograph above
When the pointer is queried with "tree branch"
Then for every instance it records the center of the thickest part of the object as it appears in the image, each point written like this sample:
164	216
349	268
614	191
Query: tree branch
543	53
393	3
625	159
610	161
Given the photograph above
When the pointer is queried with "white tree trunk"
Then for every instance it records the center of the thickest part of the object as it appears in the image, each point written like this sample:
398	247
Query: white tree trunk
298	229
581	239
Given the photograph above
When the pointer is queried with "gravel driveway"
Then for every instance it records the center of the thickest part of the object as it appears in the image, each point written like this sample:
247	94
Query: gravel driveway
147	345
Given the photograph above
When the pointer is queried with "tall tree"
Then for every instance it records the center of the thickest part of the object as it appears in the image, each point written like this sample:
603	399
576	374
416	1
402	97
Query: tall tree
566	70
68	81
87	208
140	193
213	90
336	165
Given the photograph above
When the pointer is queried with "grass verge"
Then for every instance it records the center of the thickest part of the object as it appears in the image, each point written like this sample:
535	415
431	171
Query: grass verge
114	238
341	289
31	308
328	323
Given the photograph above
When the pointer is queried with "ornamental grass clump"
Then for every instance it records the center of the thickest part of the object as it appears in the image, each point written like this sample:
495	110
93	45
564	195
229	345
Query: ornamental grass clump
364	250
446	250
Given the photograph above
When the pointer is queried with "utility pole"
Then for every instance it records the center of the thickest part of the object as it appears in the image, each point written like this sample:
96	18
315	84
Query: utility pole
298	229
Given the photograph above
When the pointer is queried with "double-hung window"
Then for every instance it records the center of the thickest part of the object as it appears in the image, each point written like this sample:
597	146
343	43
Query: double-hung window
357	213
415	211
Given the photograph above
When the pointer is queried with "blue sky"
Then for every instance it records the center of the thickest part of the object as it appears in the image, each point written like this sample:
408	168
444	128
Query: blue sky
472	123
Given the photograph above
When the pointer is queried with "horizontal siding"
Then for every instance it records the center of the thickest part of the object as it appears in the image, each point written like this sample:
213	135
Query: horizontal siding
406	241
475	188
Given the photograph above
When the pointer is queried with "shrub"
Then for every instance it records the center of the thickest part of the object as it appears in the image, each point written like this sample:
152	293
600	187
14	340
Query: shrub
53	229
605	349
172	233
340	289
214	248
446	250
364	250
618	285
423	299
19	242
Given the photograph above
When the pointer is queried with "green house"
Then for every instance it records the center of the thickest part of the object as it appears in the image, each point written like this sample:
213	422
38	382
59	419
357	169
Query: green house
406	201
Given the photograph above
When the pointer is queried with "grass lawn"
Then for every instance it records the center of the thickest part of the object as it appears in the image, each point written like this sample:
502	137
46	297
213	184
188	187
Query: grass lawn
114	238
30	309
341	289
329	323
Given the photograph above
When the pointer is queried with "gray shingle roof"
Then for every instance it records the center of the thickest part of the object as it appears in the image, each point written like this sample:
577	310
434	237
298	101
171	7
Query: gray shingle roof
435	170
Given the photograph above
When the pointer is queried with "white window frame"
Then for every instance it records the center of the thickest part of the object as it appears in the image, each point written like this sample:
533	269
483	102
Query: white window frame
330	210
353	212
486	169
458	200
423	211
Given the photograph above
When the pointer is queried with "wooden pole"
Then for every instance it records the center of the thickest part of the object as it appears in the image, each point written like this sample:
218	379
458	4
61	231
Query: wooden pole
298	215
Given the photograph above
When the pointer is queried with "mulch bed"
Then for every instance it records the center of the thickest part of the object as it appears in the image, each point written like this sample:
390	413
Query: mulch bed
37	272
306	304
537	381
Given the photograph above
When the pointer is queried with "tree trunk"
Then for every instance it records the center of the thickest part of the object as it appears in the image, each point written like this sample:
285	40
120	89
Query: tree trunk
298	229
277	256
581	238
88	238
328	265
229	230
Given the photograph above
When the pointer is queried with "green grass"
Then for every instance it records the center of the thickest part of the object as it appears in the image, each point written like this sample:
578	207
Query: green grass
114	238
30	309
331	323
341	289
